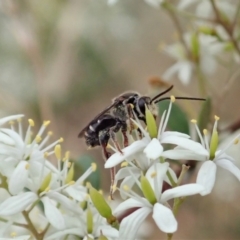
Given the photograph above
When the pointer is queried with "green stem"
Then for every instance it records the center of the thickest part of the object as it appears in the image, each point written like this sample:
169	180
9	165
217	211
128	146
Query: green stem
31	227
171	179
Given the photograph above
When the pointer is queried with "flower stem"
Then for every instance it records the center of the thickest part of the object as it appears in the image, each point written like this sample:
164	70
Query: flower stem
31	227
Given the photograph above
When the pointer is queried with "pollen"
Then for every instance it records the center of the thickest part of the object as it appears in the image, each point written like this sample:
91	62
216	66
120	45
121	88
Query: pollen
194	121
71	183
46	123
124	164
67	154
57	151
27	166
45	155
236	141
126	188
60	140
50	133
11	122
13	234
131	105
114	187
216	118
94	167
31	122
205	132
38	139
153	174
172	99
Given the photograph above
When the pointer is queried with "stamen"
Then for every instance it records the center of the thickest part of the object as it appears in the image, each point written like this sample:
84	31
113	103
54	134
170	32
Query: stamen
154	174
45	155
100	191
27	166
172	99
57	151
20	127
124	164
94	167
161	124
46	123
198	132
205	132
167	117
126	188
13	234
31	122
38	139
216	118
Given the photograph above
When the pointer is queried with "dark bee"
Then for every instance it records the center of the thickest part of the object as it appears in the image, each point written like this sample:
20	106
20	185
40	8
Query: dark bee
117	117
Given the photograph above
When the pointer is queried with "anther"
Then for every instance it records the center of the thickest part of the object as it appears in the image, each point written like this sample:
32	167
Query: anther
94	167
124	164
194	121
216	118
172	99
205	132
31	122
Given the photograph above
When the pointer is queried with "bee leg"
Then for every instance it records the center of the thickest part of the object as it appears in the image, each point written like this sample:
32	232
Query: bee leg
103	139
130	115
139	133
112	174
124	133
112	136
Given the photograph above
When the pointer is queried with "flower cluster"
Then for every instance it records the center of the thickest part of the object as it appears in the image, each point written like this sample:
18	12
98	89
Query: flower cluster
39	200
145	164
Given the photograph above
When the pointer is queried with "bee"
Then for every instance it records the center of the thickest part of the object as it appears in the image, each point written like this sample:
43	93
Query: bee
117	117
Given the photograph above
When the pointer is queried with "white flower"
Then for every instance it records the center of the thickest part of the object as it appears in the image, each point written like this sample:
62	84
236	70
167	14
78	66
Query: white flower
211	156
155	203
87	225
208	49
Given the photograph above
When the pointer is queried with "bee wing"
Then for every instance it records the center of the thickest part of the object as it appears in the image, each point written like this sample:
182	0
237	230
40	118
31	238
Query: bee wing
81	134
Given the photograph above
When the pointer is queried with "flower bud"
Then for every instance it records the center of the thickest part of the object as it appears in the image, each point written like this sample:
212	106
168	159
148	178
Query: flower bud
100	203
45	183
147	190
151	123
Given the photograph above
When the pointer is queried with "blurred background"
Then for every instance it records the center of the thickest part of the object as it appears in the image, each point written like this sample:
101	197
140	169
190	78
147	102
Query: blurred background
65	60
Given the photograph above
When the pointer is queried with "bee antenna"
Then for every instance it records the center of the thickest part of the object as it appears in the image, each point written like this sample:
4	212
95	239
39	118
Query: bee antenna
181	98
162	93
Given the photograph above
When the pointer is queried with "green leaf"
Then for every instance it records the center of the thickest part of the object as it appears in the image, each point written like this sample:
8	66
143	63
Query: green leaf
81	165
178	120
205	114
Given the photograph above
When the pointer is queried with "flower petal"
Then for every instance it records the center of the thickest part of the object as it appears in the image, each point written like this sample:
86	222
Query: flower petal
128	152
17	203
186	143
182	191
164	218
154	149
129	204
53	214
18	179
228	165
130	224
206	176
108	231
182	154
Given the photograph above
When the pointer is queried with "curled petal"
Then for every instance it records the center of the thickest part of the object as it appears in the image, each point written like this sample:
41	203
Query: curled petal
206	176
164	218
10	118
182	154
186	144
228	165
182	191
